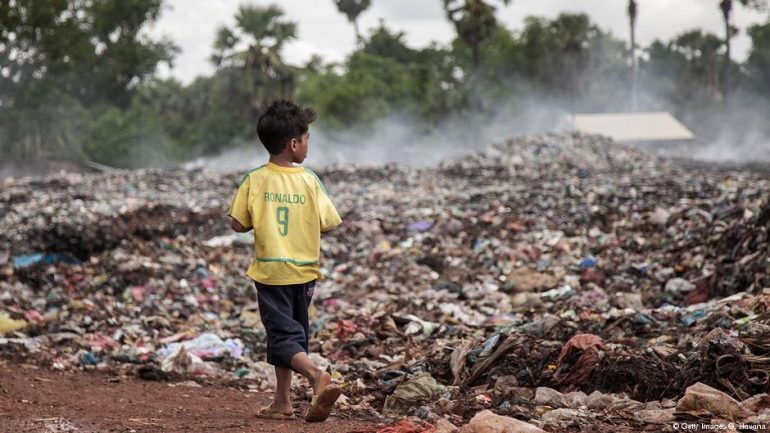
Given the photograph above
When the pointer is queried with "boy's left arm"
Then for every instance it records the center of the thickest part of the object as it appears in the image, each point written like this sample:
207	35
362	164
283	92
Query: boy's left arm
330	218
238	227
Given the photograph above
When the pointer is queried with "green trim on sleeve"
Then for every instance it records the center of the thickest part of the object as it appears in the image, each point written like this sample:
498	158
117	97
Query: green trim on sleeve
292	261
252	171
318	180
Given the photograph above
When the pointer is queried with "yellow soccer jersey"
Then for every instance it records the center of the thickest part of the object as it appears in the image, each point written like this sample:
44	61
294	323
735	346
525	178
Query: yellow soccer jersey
288	208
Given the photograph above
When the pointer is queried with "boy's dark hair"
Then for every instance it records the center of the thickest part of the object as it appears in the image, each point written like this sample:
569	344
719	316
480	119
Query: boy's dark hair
282	121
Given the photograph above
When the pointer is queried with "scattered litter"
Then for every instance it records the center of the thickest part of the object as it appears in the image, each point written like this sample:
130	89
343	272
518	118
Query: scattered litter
487	422
554	277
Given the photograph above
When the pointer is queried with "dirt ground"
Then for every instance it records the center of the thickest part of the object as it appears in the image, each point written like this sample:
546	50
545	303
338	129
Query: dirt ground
34	400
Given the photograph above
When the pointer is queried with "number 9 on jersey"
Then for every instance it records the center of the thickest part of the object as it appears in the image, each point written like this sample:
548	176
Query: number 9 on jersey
282	216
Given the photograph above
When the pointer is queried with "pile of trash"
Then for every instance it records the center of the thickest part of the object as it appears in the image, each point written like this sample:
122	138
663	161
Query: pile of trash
551	282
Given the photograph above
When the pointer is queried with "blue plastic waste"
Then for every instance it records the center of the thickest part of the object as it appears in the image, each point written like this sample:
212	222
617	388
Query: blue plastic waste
88	358
543	264
588	262
26	260
692	318
419	226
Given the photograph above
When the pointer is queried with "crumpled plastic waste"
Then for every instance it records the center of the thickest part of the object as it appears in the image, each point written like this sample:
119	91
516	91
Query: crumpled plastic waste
205	346
469	271
184	363
419	389
407	426
487	422
9	325
419	226
26	260
564	416
578	360
88	358
701	397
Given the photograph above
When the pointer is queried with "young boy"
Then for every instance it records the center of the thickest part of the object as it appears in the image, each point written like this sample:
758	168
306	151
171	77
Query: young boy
287	207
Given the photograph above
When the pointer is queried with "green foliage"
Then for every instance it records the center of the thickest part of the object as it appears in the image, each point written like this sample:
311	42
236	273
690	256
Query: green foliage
352	9
571	56
384	78
364	94
54	127
691	66
474	20
685	75
384	43
127	138
77	77
198	119
726	6
257	73
758	63
60	58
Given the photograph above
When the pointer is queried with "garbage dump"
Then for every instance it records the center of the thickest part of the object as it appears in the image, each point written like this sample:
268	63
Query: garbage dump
557	282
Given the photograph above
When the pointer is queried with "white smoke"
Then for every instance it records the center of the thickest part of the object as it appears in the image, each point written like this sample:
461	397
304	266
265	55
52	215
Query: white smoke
401	140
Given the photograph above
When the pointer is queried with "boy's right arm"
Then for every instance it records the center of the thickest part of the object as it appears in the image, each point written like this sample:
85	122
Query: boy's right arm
239	209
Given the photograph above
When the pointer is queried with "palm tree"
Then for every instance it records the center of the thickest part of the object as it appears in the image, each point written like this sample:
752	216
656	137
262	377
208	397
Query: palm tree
727	10
352	9
255	45
701	69
474	21
633	9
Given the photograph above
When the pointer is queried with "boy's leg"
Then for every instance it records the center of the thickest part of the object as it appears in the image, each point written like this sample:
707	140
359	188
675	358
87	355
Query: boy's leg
302	364
282	399
285	335
324	393
275	307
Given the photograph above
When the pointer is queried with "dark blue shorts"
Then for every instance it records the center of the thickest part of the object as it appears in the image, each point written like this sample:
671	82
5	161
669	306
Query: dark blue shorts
284	314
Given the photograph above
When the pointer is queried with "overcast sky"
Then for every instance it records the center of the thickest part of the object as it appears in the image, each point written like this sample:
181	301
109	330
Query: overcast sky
192	24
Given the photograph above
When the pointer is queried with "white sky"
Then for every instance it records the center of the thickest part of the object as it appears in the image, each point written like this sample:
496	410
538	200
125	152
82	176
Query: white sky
192	24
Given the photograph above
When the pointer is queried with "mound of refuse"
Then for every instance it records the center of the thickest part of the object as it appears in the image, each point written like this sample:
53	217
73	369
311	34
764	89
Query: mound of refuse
549	155
563	280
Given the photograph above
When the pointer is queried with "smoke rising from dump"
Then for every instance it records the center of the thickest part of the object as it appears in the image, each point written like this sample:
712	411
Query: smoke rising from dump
742	137
397	139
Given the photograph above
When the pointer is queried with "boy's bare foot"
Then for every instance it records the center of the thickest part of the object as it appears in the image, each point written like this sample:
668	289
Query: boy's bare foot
321	381
273	411
324	396
322	403
282	408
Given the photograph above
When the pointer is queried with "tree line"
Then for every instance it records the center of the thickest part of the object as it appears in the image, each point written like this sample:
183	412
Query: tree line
78	77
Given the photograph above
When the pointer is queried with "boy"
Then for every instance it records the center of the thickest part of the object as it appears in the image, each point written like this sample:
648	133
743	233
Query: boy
288	208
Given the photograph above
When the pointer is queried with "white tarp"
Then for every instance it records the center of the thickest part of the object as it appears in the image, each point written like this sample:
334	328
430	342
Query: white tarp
634	127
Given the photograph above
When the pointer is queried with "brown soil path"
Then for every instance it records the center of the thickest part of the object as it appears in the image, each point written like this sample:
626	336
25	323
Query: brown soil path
34	400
